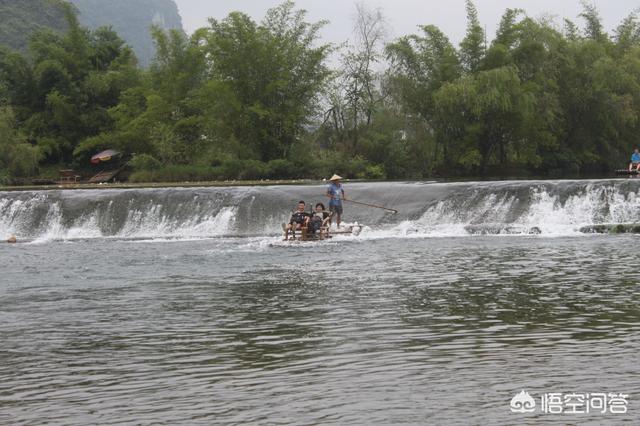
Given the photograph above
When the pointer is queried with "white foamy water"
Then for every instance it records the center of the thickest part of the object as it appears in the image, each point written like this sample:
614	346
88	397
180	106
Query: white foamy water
536	210
595	205
13	211
152	223
549	209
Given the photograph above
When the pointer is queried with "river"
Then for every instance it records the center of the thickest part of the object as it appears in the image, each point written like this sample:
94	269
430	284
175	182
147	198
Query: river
184	306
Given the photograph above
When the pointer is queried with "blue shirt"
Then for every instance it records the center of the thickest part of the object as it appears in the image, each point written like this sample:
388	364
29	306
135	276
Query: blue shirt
337	194
635	158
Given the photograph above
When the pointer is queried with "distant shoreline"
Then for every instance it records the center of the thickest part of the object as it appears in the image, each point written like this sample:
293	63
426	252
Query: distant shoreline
213	184
286	182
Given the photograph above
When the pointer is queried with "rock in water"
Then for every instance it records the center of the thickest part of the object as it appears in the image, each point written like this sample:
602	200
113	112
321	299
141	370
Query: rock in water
612	228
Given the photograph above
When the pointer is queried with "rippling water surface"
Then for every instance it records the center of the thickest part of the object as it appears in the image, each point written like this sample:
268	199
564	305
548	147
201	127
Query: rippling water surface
379	331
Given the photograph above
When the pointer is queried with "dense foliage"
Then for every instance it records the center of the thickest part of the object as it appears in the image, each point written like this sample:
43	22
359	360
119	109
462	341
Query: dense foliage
536	98
63	93
242	99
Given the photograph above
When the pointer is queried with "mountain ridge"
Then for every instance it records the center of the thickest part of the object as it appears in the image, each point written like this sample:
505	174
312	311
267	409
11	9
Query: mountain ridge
131	19
20	20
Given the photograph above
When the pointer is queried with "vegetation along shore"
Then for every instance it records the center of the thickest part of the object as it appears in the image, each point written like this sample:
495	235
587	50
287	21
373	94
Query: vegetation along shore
248	100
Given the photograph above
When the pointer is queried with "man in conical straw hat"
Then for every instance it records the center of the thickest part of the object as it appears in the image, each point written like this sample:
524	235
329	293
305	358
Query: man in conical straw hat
336	194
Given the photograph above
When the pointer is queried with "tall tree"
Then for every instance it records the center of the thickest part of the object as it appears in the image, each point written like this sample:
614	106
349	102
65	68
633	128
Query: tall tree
627	34
274	70
360	77
472	47
420	66
18	158
590	14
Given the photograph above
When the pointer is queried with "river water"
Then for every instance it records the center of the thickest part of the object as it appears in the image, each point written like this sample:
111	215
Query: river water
183	306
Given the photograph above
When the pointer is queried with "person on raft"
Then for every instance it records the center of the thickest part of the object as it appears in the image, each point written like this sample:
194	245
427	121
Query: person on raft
299	219
319	219
336	193
635	160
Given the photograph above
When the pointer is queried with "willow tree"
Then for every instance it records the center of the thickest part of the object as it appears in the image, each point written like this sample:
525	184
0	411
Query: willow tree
454	123
504	108
420	66
485	118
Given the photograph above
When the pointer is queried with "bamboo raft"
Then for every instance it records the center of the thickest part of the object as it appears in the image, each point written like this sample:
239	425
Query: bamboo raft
325	233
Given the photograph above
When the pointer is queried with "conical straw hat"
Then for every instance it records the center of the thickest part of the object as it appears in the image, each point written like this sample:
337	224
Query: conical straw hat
335	177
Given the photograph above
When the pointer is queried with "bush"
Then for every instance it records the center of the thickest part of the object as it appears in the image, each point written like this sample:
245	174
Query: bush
284	169
4	177
375	171
242	170
148	169
178	173
321	165
253	170
18	159
144	162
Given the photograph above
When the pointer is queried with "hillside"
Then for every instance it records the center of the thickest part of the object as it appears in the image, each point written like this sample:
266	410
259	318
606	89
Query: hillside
131	19
21	18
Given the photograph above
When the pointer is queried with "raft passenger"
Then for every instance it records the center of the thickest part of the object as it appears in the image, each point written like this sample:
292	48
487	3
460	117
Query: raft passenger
635	161
299	219
320	219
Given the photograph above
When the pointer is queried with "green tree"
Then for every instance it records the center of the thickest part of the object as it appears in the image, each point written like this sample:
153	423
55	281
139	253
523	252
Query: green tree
62	94
18	159
627	35
358	95
420	66
594	29
472	47
274	71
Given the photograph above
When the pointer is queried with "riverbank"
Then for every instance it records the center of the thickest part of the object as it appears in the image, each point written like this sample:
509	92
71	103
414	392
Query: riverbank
127	185
285	182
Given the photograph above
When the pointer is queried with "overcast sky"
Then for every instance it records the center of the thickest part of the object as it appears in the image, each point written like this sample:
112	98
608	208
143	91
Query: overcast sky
404	16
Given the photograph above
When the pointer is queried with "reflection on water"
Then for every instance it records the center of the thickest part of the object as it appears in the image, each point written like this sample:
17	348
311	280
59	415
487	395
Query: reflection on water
424	331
